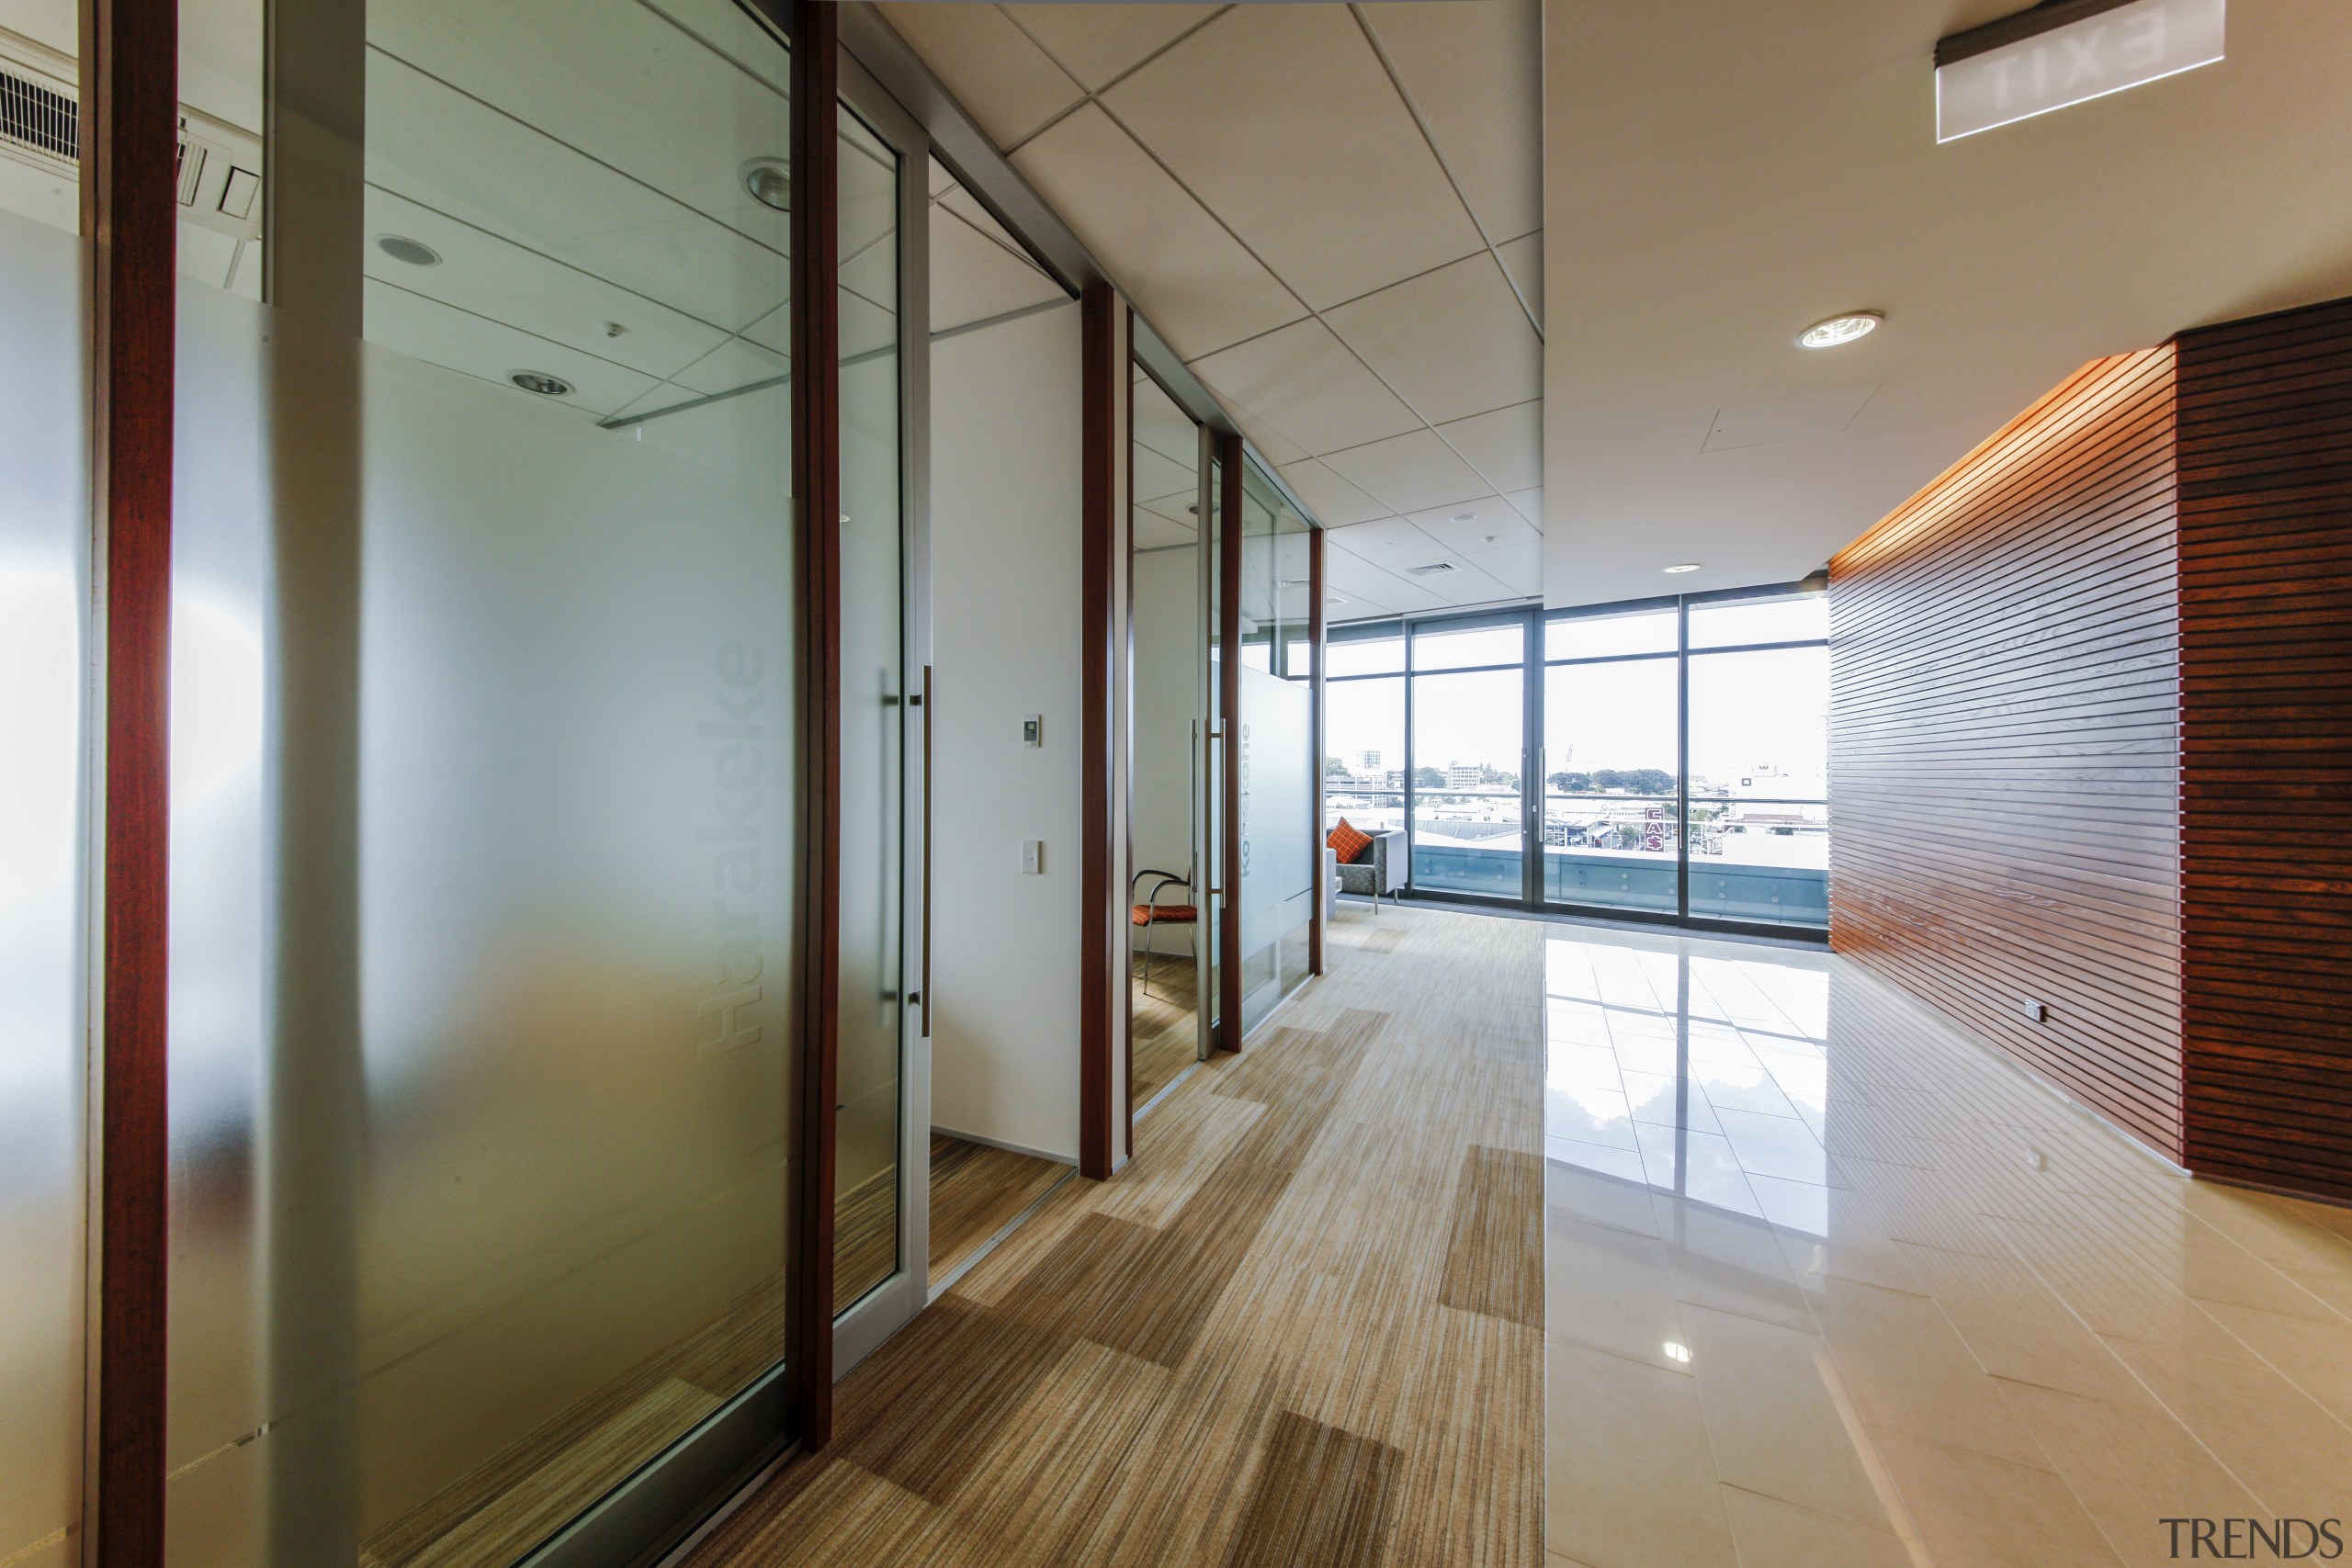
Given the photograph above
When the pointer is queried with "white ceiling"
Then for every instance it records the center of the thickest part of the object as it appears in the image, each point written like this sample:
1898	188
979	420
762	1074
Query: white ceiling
1723	175
1333	213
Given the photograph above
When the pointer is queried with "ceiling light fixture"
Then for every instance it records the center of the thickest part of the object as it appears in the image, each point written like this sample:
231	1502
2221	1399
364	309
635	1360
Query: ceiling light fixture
1465	517
1840	329
1675	1352
542	383
769	181
1685	566
401	248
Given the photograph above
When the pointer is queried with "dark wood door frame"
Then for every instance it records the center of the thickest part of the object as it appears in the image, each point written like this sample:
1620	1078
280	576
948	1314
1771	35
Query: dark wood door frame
1101	935
1315	637
1228	643
816	488
130	127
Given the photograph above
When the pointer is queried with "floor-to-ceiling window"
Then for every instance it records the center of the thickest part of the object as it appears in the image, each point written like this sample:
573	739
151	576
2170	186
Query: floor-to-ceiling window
1758	750
1467	738
1363	727
1678	746
1612	821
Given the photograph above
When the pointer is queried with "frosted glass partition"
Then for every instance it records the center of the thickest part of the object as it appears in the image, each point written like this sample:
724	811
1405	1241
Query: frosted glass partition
1278	750
44	653
484	1008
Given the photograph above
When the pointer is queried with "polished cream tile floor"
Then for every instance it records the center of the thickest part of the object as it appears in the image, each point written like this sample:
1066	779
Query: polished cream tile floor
1828	1283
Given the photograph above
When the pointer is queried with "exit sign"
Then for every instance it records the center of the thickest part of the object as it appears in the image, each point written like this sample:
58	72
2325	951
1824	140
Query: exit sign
2068	52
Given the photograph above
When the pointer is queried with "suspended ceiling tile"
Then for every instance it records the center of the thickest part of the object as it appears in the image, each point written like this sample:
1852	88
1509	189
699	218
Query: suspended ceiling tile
1164	428
1410	472
1097	43
973	277
996	71
1523	259
1193	280
456	340
942	182
1270	443
1281	119
1467	584
1302	380
1333	500
1159	478
1504	445
505	282
964	205
1519	568
1475	70
1453	342
1390	543
1528	504
1485	525
734	364
1154	531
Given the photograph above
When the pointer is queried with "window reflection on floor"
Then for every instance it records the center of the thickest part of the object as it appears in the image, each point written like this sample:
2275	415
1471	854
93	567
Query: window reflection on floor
1704	1077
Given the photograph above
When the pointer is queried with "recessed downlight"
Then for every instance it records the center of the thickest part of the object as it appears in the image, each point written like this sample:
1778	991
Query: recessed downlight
1684	566
1840	329
542	383
1465	517
769	181
1676	1351
401	248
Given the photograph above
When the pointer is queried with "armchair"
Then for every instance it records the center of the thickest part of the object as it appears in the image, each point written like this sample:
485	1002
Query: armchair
1379	870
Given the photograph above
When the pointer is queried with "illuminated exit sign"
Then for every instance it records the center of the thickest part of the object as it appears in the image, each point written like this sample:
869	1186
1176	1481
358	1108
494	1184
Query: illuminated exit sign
2067	52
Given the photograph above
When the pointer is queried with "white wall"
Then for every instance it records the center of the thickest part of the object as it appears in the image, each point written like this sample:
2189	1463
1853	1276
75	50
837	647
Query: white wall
1006	592
1167	652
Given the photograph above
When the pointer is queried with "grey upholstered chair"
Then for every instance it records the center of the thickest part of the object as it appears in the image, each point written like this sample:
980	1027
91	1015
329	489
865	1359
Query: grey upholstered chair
1380	869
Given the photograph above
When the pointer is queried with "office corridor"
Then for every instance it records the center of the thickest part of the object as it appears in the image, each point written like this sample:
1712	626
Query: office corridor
1304	1327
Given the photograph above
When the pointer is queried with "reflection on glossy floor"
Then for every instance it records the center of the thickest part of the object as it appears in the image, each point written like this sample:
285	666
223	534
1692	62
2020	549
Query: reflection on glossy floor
1828	1284
976	1191
1167	1034
1301	1327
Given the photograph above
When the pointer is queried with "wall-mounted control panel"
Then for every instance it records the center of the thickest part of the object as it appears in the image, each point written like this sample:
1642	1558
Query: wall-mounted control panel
1033	857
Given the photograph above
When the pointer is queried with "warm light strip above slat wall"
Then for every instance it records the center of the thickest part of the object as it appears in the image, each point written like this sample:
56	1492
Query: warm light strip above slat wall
2266	593
2004	751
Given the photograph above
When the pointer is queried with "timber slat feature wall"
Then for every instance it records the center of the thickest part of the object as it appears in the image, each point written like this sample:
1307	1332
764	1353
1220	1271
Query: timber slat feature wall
2004	750
2265	611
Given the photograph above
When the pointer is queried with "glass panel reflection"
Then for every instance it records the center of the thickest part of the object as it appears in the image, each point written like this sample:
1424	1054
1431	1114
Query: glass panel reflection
1611	759
1278	748
1692	1069
1759	785
866	1192
1469	733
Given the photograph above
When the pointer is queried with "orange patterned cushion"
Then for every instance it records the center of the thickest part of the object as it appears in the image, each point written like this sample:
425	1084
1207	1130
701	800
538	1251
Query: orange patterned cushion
1348	841
1164	914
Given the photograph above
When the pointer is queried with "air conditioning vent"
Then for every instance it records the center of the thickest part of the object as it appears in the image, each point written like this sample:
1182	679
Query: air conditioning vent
1435	568
39	118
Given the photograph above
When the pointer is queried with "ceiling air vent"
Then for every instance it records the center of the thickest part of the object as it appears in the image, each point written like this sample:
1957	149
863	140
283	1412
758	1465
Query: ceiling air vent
39	118
1435	568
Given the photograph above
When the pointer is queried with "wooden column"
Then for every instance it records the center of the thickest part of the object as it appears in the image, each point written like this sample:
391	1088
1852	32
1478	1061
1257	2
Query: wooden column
1315	638
1228	643
817	492
130	90
1101	942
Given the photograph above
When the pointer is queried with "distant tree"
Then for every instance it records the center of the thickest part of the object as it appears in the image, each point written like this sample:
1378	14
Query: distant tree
1335	769
1572	783
1608	778
1428	778
1650	781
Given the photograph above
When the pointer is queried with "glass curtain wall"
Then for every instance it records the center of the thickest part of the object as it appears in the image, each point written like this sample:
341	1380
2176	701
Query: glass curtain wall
1613	765
1681	746
1363	728
484	1029
1759	760
1277	747
1468	719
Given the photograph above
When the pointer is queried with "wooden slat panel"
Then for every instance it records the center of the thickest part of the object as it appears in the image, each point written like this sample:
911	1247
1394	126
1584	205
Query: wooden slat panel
2265	613
2005	762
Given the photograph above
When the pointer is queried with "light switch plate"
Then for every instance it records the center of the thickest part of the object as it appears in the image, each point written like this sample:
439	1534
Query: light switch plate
1033	857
